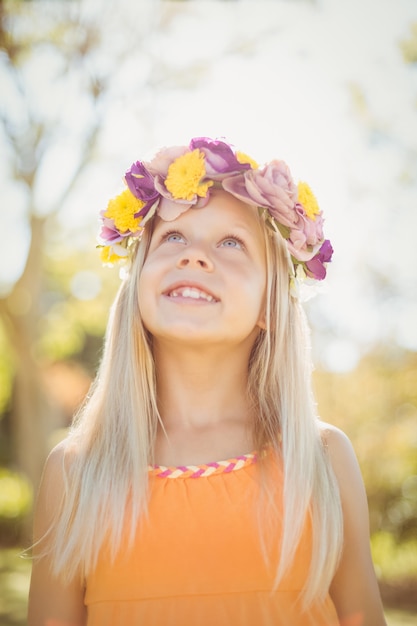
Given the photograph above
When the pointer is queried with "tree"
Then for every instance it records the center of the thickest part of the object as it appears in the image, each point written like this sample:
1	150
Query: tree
62	67
29	135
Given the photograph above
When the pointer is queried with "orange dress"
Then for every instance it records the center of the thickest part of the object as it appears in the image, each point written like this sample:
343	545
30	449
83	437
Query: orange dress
197	559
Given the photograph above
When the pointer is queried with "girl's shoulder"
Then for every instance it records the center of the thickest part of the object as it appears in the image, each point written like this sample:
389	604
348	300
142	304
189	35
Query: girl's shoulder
333	438
336	442
344	464
50	594
62	455
52	489
338	446
56	469
354	589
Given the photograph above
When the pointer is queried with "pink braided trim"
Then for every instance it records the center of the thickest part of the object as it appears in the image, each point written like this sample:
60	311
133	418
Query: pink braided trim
198	471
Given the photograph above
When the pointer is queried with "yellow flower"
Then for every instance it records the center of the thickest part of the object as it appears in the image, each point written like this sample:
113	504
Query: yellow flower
244	158
185	175
122	209
307	198
108	256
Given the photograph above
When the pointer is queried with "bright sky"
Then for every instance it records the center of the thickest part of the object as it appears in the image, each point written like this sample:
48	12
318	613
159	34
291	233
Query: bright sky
322	85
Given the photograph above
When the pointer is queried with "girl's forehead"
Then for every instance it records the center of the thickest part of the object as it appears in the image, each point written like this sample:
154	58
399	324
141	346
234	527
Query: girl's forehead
222	209
223	201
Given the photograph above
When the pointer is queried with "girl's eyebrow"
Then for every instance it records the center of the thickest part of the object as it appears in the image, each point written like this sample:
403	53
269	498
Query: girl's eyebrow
244	227
226	227
161	224
248	233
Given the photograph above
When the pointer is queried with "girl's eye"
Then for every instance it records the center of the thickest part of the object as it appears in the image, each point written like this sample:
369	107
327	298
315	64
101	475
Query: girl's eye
232	242
173	237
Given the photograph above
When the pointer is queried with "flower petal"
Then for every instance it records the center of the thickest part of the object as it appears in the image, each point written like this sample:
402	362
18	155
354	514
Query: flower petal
160	163
141	184
219	156
168	210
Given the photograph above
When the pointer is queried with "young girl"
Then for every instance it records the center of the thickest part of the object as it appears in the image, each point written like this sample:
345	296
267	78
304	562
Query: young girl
197	485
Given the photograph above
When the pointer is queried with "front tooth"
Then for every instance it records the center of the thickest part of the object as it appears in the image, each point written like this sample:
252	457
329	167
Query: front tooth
190	292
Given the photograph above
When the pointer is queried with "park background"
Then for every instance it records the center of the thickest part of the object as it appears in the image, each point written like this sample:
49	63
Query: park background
330	86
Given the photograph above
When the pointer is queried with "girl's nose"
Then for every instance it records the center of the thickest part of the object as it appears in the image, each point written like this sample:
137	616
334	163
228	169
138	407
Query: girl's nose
195	257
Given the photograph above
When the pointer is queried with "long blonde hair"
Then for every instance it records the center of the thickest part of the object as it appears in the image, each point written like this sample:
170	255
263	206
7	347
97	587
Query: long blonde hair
112	439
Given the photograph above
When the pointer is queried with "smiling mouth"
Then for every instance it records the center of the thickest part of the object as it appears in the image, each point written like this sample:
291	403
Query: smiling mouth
191	292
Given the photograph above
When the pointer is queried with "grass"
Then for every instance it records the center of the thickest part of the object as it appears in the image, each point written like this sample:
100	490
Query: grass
394	561
14	586
396	617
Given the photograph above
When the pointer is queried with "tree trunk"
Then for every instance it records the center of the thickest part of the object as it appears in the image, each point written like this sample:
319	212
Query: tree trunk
31	421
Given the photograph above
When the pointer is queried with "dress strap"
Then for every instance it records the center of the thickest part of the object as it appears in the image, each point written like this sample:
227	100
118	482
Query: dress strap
200	471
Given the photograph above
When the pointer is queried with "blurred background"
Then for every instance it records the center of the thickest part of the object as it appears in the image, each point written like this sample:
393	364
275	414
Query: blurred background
330	86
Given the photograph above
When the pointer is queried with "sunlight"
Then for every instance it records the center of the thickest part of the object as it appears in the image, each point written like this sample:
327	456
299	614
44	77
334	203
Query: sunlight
313	84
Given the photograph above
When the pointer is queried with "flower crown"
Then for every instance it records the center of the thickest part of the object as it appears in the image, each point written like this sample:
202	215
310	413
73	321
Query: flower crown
180	177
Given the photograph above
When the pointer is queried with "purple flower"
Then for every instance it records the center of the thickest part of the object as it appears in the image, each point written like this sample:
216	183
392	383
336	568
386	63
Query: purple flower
271	187
219	157
109	233
316	268
141	184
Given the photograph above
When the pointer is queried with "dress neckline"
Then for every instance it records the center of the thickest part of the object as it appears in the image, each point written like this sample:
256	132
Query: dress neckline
203	470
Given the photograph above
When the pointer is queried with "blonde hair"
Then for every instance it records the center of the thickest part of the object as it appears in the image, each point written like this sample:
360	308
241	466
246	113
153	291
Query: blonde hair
110	449
280	384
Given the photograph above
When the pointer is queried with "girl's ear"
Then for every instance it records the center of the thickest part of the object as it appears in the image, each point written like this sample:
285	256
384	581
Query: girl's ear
262	320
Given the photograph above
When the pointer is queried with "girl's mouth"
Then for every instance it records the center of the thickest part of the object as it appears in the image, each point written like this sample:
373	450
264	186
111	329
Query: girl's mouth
191	292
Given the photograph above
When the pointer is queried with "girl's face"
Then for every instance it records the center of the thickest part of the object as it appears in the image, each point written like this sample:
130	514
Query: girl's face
204	278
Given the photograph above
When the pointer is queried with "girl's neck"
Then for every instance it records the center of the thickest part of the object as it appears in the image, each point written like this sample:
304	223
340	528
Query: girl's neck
203	403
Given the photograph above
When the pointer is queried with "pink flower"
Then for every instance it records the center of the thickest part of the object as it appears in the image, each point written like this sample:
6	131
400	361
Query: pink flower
169	210
160	163
313	229
271	187
306	236
169	207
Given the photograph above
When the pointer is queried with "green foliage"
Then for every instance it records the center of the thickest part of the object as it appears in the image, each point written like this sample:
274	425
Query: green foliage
16	500
376	405
76	303
394	562
15	495
6	372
